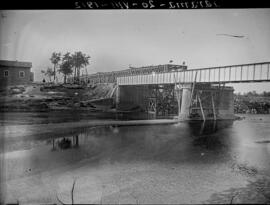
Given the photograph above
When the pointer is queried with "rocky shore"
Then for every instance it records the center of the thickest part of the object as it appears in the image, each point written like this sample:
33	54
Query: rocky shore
49	97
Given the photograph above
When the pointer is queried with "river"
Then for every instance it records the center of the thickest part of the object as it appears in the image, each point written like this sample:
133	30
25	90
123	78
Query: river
188	162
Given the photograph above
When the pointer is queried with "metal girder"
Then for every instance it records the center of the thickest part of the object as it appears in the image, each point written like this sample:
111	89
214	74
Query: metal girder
256	72
161	100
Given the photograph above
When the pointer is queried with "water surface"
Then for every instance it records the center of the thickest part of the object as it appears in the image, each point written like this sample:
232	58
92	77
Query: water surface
215	155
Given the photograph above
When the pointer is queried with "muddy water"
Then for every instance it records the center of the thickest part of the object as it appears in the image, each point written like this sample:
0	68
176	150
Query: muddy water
189	162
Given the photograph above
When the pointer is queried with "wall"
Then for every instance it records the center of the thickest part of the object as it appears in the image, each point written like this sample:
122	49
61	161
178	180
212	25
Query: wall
226	105
13	76
133	95
222	98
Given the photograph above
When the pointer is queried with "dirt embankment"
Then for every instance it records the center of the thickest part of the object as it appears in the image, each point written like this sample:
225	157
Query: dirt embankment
45	97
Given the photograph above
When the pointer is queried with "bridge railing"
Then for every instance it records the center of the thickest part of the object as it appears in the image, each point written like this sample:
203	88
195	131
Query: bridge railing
256	72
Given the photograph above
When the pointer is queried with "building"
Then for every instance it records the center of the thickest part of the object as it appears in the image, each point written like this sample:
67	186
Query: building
15	73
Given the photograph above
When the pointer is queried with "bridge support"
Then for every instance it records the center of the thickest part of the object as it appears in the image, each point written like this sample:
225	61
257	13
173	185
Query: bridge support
117	96
185	101
209	102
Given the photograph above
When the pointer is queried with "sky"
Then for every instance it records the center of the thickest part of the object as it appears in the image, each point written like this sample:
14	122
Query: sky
117	39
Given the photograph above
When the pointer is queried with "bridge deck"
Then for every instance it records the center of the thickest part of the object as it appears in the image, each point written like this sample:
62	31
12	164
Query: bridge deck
256	72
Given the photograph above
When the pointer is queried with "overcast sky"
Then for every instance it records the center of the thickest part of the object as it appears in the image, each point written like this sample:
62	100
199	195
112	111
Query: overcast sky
116	39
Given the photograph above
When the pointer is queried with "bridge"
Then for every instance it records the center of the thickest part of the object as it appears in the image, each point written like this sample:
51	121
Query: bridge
110	77
195	94
244	73
175	91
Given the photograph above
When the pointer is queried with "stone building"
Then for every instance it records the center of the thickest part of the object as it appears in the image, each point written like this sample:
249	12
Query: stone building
15	73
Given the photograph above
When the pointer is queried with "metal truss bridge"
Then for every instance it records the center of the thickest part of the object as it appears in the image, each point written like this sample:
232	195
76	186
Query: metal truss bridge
243	73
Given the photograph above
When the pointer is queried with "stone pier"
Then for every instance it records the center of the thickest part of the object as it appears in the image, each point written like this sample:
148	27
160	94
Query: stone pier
184	101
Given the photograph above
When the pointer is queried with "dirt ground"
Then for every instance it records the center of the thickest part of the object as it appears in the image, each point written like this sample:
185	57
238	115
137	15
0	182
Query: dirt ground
45	97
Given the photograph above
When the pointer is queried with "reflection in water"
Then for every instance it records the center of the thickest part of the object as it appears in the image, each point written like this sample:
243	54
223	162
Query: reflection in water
209	127
205	134
170	143
65	143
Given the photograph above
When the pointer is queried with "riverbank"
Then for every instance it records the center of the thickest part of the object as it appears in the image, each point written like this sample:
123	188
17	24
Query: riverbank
38	130
251	103
49	97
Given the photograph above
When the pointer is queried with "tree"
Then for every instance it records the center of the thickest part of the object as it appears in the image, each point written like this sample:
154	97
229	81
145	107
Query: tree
66	69
80	60
55	59
49	72
66	66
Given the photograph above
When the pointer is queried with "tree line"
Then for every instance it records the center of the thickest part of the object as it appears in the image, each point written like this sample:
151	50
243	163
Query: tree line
252	102
67	64
254	94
